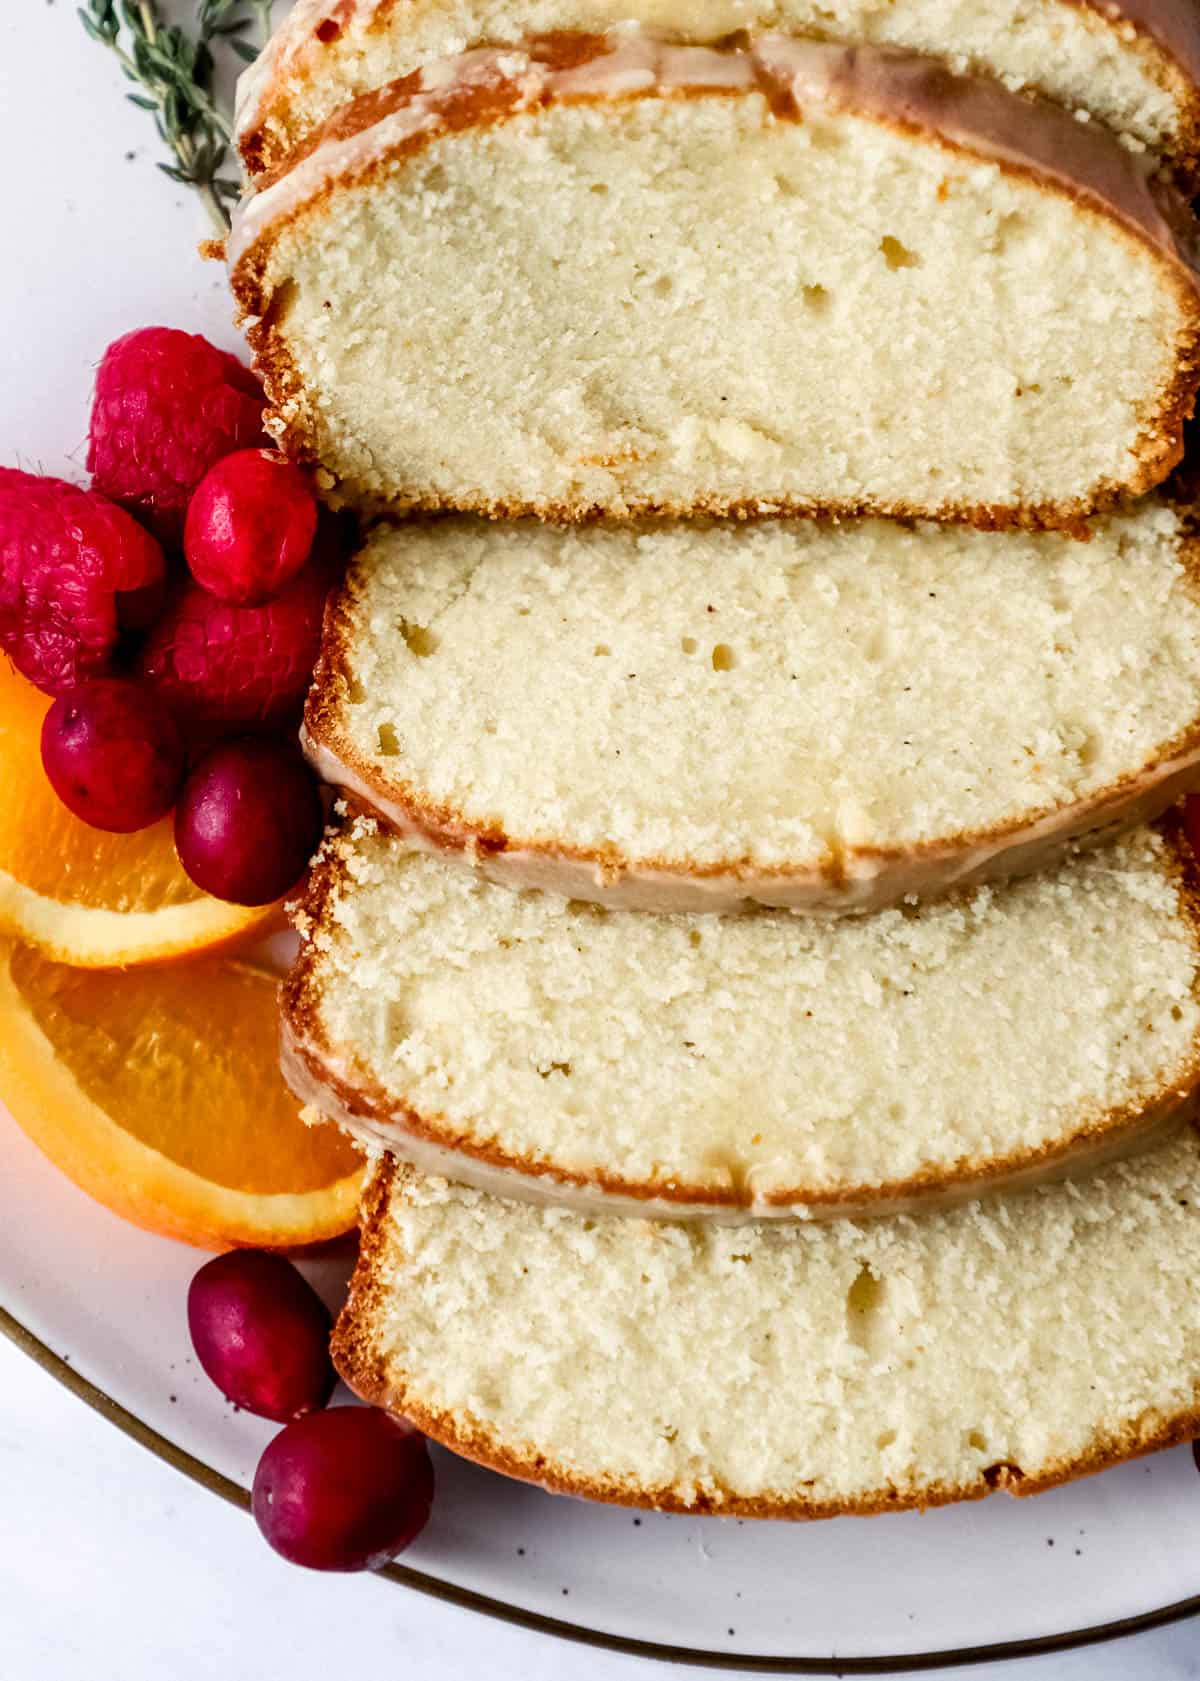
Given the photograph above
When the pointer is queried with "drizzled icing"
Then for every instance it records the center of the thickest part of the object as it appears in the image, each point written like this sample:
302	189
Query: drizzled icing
1173	25
485	85
303	22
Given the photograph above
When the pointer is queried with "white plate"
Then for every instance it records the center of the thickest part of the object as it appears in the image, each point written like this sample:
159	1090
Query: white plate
110	1300
106	244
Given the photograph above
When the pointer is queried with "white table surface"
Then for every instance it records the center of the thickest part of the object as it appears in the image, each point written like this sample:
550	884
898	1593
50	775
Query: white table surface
112	1564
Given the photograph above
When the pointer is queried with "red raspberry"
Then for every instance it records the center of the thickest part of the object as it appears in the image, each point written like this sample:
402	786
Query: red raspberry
217	664
168	406
250	526
75	571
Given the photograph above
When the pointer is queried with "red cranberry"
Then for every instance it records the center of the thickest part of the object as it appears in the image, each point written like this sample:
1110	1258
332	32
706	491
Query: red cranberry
261	1333
248	820
113	754
346	1489
250	526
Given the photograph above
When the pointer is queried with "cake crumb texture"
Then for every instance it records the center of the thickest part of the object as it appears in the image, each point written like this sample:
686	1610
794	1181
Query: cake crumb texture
762	1059
785	699
509	318
788	1370
1089	58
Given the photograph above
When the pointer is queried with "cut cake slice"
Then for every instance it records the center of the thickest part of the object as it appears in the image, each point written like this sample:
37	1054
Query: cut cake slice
1133	65
788	1370
608	276
826	717
745	1066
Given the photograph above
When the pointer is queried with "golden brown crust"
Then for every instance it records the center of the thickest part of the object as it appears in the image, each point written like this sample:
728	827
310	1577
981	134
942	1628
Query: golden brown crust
1157	457
1174	25
334	1080
963	115
1172	28
1165	33
905	90
857	879
357	1356
291	423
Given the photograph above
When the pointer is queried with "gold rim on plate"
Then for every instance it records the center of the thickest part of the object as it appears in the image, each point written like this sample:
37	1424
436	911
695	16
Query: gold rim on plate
216	1482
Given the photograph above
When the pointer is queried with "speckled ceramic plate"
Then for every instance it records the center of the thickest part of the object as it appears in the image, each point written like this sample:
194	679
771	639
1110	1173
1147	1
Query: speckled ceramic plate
78	1286
109	244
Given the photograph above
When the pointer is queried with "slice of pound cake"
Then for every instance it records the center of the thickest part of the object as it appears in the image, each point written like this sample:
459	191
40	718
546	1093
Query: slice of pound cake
789	1371
828	717
766	1064
1134	64
604	275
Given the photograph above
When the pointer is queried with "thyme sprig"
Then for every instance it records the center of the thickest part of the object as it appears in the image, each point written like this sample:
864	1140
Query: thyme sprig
172	69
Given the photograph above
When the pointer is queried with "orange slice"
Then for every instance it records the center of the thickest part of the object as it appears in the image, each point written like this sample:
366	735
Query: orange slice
81	895
158	1092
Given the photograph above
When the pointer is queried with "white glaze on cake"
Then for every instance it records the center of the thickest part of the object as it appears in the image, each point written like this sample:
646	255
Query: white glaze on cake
969	113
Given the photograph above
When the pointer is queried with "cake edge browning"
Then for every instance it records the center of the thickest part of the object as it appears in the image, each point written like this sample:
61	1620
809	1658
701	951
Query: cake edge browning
1165	35
964	115
362	1366
335	1082
854	880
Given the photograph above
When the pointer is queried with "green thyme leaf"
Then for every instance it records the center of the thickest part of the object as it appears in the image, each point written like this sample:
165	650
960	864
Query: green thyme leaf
173	69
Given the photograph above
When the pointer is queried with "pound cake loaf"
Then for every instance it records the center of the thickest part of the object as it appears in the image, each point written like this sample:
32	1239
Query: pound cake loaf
1133	64
788	1370
702	717
759	1065
608	276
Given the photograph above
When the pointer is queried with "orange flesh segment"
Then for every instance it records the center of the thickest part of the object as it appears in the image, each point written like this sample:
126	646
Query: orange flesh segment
184	1059
48	849
74	869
